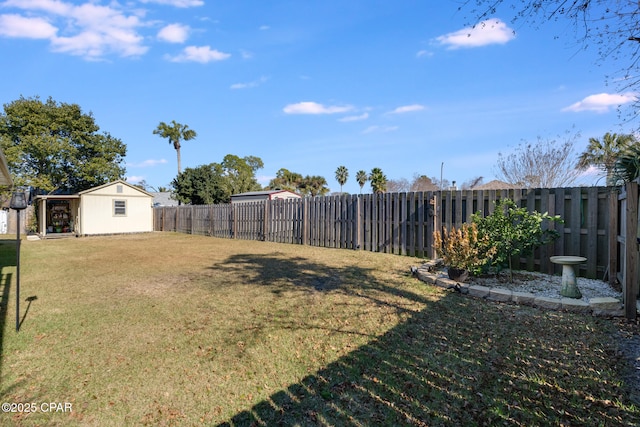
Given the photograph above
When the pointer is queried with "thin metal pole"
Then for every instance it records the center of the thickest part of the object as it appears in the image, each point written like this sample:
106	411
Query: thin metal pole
18	274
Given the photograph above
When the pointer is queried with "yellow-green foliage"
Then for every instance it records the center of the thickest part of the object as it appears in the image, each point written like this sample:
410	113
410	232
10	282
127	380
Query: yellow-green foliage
462	248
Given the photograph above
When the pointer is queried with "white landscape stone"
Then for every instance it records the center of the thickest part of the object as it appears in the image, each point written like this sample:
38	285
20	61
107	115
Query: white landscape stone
499	294
536	289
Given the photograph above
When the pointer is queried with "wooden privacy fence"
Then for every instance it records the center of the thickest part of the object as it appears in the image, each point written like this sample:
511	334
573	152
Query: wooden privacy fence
403	223
624	260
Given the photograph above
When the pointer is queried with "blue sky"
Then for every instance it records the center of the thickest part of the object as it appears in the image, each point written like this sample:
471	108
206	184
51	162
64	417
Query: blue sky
310	85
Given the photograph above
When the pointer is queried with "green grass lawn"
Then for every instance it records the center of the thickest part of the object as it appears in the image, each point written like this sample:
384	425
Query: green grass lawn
168	329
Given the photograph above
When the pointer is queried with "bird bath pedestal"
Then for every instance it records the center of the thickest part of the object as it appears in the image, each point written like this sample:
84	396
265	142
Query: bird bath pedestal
569	285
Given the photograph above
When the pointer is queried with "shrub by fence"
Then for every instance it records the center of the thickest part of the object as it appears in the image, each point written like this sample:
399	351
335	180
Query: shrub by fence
403	223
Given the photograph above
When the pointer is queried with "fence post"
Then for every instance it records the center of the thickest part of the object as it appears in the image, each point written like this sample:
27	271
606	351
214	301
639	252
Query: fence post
305	221
631	249
211	213
359	223
403	223
420	249
437	216
265	227
193	217
430	200
612	268
234	218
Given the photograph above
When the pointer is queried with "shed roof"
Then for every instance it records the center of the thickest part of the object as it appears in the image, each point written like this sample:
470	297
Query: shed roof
56	196
119	181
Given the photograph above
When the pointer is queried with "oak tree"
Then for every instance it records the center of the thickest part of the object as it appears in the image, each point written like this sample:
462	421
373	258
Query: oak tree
53	146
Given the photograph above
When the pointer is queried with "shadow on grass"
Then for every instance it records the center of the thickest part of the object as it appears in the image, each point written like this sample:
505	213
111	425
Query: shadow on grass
281	273
7	263
29	300
459	361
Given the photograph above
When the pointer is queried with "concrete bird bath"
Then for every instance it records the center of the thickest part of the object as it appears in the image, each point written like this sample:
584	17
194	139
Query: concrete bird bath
569	285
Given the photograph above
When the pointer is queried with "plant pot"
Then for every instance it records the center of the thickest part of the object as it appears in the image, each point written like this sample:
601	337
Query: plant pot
458	274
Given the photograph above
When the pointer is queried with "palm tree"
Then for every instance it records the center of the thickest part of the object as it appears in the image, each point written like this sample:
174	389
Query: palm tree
313	186
285	180
627	167
175	132
362	178
378	181
341	176
604	153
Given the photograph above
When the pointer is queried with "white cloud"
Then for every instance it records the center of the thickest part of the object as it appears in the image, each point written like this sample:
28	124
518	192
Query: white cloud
147	163
93	45
248	85
602	102
202	54
31	28
177	3
407	109
55	7
380	129
490	31
89	30
591	171
264	27
135	179
174	33
362	116
423	53
315	108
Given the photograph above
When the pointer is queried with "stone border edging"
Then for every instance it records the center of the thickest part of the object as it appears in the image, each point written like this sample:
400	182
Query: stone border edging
602	306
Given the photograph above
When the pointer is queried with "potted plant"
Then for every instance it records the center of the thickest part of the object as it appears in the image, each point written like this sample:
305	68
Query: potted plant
462	251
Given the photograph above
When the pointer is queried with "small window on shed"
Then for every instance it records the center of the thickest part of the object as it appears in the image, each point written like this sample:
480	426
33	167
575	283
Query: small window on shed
119	208
119	188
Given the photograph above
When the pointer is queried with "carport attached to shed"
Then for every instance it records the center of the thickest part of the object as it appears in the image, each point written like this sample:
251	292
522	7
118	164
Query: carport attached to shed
57	214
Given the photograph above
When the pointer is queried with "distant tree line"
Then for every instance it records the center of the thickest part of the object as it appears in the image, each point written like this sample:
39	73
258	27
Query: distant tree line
216	182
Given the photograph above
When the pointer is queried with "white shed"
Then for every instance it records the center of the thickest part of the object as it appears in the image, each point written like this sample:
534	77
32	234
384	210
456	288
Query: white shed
114	208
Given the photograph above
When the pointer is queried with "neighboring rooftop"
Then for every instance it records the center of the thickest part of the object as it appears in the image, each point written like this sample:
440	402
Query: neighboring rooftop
254	196
163	198
496	185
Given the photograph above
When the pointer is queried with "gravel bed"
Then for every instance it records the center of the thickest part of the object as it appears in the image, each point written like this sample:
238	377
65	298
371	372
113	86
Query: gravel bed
546	285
